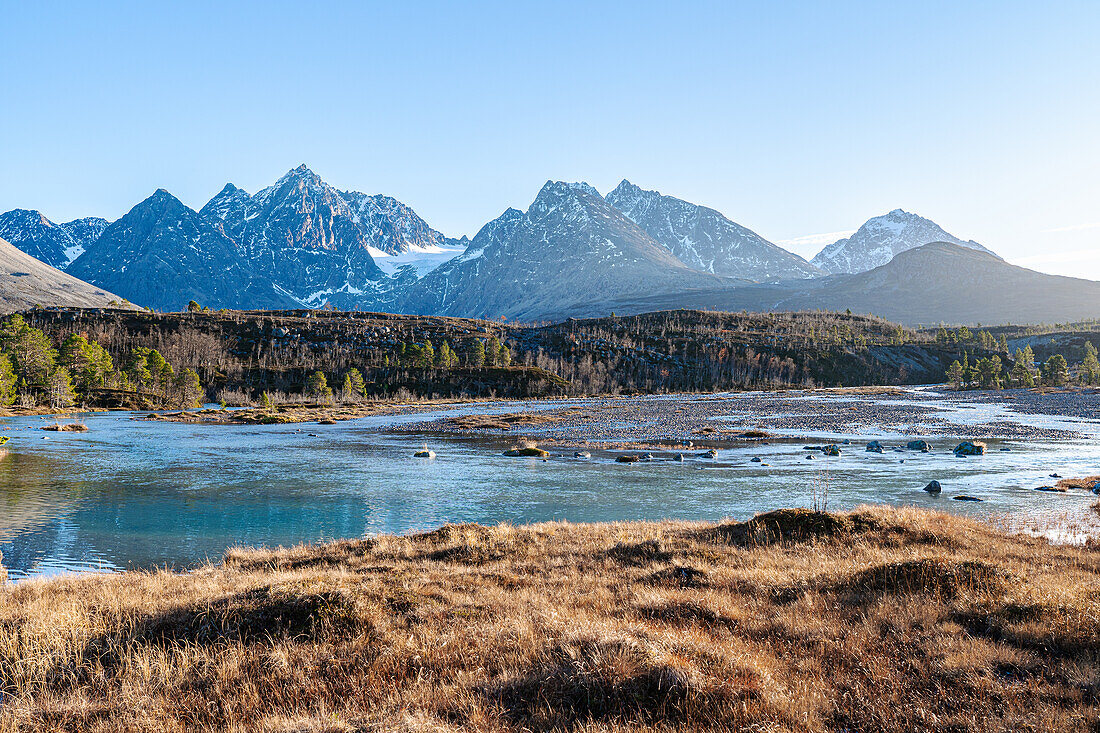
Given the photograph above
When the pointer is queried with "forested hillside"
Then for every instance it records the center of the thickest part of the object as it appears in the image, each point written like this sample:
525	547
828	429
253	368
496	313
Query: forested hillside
244	357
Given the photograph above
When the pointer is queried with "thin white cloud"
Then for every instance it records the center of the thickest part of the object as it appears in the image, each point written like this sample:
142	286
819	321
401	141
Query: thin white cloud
1073	228
816	239
1073	256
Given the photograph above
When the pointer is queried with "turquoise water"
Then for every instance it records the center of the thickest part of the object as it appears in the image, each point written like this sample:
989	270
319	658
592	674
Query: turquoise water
141	494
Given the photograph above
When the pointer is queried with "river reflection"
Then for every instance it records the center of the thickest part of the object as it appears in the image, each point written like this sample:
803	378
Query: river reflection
143	494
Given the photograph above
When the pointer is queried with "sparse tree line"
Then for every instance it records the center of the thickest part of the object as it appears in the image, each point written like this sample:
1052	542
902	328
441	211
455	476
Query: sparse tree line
35	372
991	372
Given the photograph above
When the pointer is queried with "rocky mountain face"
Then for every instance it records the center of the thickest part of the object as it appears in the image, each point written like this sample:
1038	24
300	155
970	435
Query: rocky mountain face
55	244
26	282
162	254
570	250
880	239
319	244
706	240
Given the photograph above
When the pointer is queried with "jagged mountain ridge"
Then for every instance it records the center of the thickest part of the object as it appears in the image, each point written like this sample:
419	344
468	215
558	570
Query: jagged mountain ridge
57	245
319	243
880	239
571	247
162	254
704	239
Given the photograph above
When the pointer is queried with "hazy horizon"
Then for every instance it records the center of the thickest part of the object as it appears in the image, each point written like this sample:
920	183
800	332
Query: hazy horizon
799	122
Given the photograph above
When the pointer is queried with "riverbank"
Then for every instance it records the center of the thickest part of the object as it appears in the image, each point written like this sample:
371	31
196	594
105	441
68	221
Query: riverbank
878	619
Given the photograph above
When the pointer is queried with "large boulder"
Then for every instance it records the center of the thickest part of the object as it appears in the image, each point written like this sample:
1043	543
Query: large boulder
970	448
922	445
831	450
875	447
528	452
933	487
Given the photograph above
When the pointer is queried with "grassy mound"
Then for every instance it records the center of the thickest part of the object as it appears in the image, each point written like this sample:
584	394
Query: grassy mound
926	576
783	526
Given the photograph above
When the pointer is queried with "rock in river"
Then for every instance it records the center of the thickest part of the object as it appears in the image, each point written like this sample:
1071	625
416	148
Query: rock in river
922	445
970	448
527	453
933	487
874	447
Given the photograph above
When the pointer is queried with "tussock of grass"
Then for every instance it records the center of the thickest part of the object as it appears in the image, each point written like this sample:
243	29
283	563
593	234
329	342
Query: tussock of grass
892	620
927	577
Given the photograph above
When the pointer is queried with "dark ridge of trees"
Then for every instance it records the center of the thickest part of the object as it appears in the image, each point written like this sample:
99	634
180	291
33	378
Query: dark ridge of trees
254	356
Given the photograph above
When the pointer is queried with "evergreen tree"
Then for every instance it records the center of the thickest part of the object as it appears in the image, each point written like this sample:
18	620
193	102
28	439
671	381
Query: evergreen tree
1021	374
59	388
955	374
446	356
8	381
477	354
354	386
32	355
187	389
160	371
1090	365
1056	371
317	388
504	356
88	363
137	368
492	349
427	355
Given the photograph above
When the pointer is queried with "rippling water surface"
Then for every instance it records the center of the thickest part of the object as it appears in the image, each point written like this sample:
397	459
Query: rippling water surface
142	494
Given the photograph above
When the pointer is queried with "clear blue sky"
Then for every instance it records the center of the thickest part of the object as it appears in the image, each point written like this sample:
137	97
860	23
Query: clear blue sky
793	118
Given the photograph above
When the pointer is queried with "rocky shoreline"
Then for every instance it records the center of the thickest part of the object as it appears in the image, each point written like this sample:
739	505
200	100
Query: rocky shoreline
708	419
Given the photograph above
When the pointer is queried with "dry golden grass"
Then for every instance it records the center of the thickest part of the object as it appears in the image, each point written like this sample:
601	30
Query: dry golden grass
1085	483
879	619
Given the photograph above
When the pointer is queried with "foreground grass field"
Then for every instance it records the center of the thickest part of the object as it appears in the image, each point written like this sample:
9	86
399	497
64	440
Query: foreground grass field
875	620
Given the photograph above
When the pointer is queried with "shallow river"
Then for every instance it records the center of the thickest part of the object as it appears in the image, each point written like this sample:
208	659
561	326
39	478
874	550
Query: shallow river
141	494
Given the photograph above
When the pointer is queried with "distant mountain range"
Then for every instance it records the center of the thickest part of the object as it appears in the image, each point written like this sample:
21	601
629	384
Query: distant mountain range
303	243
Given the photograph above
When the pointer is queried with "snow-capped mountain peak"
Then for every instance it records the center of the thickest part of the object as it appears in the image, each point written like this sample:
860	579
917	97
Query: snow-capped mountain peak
880	239
55	244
